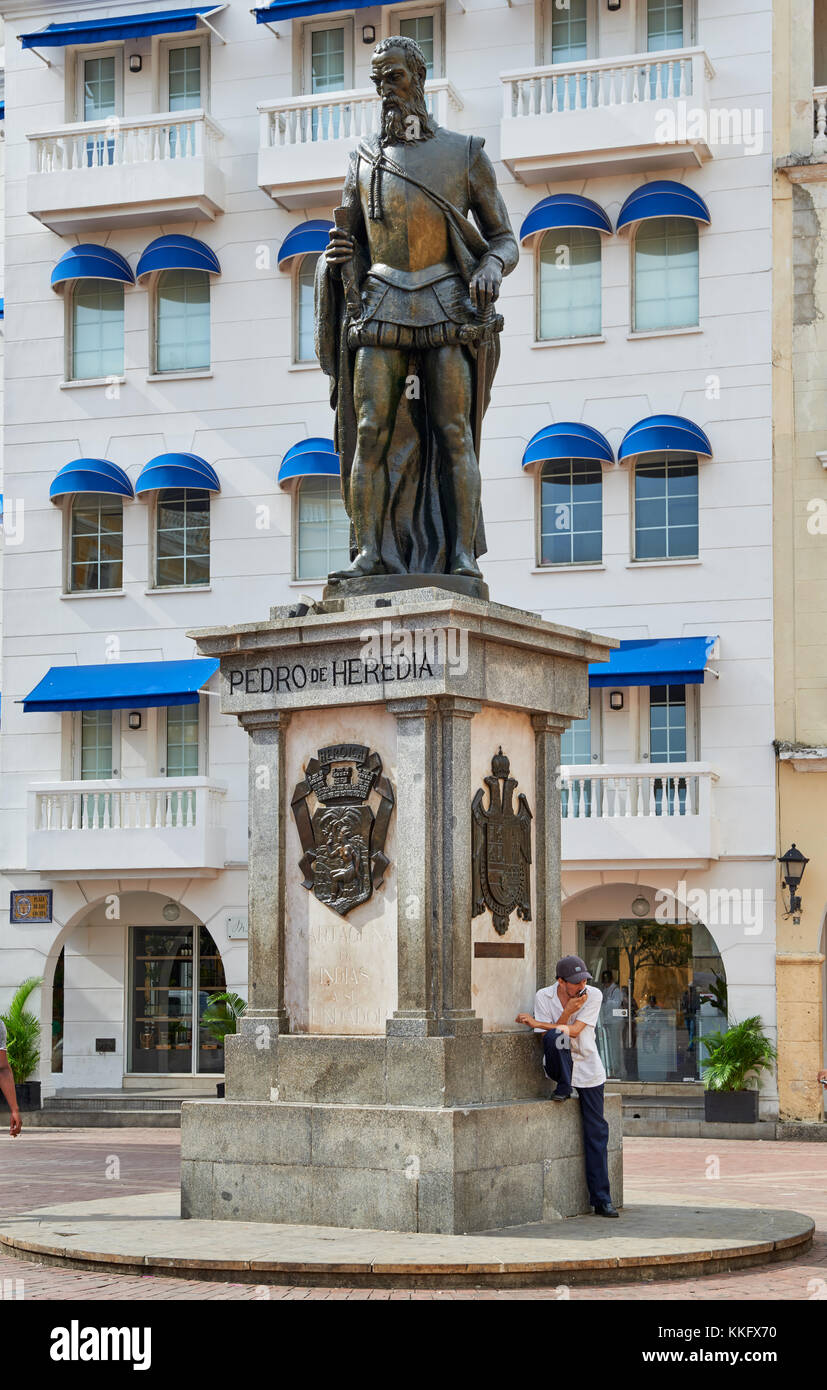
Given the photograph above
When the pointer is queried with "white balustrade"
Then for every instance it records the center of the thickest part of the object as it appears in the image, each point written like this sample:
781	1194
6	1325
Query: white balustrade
820	118
605	82
609	791
166	804
333	116
123	141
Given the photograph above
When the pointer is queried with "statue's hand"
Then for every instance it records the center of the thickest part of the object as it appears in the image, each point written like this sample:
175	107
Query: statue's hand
340	247
485	283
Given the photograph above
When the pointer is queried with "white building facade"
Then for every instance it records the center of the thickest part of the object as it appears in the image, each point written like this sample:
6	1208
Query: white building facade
168	454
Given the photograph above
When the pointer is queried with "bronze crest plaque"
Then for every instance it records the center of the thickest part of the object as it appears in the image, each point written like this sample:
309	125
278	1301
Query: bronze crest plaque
343	839
501	849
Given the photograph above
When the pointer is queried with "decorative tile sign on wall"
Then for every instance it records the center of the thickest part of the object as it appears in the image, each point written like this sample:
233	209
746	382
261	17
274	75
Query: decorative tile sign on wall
30	907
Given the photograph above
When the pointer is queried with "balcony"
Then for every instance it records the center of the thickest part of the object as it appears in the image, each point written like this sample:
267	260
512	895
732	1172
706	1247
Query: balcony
169	825
126	172
607	116
616	814
304	142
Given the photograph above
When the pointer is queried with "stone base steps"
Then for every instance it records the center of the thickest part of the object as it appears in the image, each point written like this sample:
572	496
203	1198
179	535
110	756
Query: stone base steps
101	1119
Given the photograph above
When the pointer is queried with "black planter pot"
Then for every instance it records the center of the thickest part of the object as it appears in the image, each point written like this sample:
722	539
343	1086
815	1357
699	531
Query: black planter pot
28	1095
731	1107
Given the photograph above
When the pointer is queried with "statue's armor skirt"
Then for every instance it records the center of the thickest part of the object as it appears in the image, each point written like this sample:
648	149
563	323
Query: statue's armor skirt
429	315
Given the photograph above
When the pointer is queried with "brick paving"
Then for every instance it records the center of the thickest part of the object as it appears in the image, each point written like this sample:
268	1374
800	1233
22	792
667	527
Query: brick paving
43	1166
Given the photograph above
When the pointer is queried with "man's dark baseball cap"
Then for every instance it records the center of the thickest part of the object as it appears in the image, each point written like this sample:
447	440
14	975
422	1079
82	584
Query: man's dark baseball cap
573	970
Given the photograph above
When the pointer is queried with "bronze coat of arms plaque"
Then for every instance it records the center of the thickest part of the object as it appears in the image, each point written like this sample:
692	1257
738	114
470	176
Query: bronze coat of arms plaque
501	849
343	839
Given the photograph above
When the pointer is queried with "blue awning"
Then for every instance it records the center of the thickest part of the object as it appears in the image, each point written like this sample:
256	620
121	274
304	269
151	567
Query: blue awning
2	308
90	475
176	252
125	26
297	9
567	441
564	210
305	239
663	198
177	470
121	685
90	262
655	661
309	457
664	434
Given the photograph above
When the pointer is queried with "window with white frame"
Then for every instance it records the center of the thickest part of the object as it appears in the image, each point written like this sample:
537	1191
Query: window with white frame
425	28
95	542
666	508
328	68
182	537
664	25
322	528
99	97
184	75
303	311
568	26
576	749
182	321
666	285
571	512
569	284
95	330
95	745
183	740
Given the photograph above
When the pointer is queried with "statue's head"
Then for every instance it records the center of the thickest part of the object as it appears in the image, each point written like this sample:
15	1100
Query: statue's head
398	72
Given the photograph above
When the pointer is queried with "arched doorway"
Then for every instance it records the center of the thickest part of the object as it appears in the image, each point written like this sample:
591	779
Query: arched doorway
173	970
664	990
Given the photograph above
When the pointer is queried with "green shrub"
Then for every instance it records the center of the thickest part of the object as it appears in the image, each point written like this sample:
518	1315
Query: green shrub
23	1033
222	1013
736	1057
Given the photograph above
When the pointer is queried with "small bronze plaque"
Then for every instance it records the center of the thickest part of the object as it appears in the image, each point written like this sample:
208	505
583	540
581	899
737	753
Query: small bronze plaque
508	950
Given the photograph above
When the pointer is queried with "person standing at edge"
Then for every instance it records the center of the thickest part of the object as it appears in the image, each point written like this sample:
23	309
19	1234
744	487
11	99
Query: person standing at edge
7	1085
566	1013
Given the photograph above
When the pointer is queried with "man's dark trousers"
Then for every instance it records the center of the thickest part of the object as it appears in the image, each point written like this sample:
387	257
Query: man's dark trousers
557	1055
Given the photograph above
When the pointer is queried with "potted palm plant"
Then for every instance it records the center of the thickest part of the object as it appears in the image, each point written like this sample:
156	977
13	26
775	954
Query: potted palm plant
220	1017
23	1045
734	1059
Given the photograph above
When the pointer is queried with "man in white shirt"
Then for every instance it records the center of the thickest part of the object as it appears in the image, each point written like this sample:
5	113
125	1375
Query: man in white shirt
566	1013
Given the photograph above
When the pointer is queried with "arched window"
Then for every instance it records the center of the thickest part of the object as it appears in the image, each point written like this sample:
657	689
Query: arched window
182	321
182	537
571	512
96	330
96	542
666	508
569	284
303	308
322	529
666	274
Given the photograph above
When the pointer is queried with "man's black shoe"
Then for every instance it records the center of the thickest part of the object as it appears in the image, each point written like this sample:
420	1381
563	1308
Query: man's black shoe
561	1095
606	1209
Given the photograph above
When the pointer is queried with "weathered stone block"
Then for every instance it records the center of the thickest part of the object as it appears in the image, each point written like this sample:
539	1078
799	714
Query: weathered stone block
332	1070
281	1193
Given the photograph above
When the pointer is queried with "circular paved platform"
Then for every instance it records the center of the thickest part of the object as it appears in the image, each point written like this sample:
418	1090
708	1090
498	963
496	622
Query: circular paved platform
145	1235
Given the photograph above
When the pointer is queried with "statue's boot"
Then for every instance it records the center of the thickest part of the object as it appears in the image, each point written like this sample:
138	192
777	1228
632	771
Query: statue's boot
464	563
367	562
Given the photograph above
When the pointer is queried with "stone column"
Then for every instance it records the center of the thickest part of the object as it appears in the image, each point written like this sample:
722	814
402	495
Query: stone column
268	810
547	912
415	1016
453	864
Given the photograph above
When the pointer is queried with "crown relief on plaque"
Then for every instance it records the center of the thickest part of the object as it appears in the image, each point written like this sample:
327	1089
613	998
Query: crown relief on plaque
343	839
501	848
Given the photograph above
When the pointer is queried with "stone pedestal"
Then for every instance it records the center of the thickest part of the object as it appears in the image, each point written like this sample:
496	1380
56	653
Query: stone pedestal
378	1078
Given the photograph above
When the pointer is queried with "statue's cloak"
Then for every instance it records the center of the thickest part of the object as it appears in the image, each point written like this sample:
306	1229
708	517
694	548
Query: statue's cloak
417	525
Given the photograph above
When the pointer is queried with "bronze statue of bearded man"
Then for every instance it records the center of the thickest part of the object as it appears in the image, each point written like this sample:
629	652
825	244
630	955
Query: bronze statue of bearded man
407	332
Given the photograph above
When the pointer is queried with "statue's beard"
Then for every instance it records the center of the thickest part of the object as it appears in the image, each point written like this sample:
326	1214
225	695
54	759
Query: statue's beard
403	121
